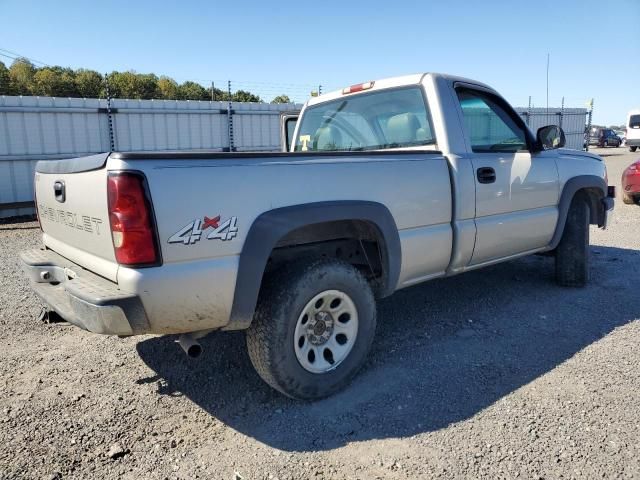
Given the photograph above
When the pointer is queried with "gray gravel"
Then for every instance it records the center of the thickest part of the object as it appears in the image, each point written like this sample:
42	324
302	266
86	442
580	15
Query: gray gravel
493	374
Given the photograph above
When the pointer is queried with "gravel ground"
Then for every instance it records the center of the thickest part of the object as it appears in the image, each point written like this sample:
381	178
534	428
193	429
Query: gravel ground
493	374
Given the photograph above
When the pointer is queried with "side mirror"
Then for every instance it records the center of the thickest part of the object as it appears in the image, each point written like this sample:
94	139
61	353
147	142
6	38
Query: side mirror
550	137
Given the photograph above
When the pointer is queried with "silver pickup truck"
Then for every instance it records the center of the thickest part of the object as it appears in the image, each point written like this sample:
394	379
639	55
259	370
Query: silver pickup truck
387	184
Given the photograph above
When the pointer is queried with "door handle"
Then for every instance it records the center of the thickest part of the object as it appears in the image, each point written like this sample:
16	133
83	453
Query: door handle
486	175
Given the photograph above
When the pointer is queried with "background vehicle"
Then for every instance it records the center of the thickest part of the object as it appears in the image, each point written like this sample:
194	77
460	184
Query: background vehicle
604	137
389	184
633	130
622	135
631	183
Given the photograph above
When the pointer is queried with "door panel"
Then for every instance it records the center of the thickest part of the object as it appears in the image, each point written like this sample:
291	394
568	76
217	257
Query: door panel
523	198
522	183
516	193
507	234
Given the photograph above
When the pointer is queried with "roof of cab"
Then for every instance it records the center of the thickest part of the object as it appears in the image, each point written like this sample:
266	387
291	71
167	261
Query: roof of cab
392	82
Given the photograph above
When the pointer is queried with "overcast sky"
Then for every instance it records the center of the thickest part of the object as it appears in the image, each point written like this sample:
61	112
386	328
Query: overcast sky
290	47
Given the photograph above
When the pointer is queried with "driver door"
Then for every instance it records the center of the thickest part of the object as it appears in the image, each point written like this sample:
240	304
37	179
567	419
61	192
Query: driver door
516	192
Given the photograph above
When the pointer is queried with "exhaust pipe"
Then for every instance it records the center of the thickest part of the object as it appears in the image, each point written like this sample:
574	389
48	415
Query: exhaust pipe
190	345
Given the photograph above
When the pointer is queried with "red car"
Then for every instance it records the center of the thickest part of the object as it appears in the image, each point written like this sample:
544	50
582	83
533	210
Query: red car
631	183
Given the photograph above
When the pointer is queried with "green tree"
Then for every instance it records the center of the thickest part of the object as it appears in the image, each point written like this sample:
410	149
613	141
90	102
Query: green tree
281	99
243	96
168	88
21	75
133	85
193	91
89	84
54	82
147	86
122	84
5	83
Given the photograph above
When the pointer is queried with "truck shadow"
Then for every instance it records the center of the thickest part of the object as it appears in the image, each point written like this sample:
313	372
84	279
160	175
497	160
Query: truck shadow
445	351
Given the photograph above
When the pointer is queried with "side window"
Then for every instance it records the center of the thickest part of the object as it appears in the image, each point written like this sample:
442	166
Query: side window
490	127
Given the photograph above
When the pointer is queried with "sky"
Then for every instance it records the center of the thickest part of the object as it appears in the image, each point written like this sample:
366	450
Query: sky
291	46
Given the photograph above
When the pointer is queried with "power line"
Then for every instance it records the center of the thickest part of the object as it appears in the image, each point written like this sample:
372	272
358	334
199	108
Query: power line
15	55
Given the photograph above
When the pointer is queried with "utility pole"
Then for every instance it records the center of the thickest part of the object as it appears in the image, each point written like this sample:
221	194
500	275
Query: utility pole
213	98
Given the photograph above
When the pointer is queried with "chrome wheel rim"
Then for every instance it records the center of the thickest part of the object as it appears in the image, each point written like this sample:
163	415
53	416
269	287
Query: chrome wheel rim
326	331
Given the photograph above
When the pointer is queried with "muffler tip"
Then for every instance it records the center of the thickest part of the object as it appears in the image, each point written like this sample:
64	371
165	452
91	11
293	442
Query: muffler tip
190	345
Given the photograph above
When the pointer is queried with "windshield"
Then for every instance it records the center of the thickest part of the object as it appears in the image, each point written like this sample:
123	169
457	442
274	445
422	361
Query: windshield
385	119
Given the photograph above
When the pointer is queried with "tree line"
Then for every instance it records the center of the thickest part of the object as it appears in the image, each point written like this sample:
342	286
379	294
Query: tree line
24	78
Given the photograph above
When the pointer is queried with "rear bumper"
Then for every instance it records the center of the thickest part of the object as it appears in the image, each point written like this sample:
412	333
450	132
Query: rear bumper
632	142
81	297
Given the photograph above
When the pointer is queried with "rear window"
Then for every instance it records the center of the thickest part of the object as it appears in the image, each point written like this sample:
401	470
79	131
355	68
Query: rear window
634	121
393	118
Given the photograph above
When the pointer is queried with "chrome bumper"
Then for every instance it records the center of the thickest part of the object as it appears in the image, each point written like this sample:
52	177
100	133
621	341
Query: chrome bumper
81	297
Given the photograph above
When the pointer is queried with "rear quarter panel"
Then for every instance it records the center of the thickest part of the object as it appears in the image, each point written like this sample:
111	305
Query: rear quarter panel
414	187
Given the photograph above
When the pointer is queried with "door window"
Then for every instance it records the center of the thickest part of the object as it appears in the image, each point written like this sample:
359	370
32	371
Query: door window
489	126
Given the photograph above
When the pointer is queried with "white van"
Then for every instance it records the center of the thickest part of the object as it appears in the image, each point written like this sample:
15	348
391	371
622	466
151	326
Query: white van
633	130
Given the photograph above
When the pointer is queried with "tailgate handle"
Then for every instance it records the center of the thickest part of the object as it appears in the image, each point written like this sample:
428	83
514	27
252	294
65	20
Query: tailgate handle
59	191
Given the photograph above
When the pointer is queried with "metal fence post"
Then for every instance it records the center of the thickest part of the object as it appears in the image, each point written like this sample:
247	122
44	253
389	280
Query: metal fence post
589	117
230	119
561	112
112	143
529	111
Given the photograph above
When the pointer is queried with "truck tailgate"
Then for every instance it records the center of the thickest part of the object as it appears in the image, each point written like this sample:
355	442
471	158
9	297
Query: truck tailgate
71	198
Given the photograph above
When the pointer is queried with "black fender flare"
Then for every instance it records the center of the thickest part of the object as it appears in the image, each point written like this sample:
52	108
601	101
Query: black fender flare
272	225
571	187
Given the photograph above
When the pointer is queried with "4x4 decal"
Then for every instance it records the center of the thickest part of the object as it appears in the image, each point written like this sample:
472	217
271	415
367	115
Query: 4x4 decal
193	231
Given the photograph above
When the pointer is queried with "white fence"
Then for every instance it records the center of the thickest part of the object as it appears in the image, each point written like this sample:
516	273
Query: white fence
572	121
45	128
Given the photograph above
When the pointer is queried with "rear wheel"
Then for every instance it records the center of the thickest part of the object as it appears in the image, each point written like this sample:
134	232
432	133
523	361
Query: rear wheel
313	328
632	149
572	253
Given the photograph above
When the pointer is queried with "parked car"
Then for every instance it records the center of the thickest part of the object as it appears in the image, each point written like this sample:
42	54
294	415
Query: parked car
604	137
388	184
633	130
631	184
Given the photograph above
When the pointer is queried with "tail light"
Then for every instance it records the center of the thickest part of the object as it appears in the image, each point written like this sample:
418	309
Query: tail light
131	218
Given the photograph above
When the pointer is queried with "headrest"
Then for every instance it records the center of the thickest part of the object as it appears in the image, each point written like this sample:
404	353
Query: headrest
327	138
402	128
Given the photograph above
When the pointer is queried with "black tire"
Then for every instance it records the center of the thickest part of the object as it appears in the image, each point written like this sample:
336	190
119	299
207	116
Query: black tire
270	339
628	199
632	149
572	253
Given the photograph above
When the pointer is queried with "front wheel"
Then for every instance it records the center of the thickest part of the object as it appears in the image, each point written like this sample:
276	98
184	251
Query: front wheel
313	328
632	149
572	253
